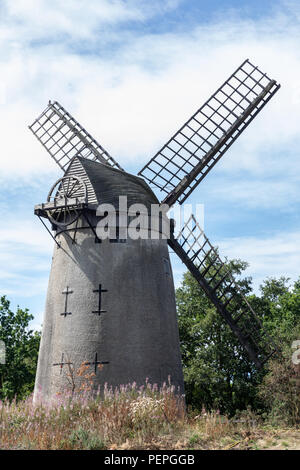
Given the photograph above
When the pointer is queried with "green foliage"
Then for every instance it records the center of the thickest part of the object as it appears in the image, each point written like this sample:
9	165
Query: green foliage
218	373
21	350
280	388
279	308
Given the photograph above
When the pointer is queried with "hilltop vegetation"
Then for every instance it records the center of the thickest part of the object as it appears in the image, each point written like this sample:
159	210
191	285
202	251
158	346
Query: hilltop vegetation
21	352
133	419
218	373
230	403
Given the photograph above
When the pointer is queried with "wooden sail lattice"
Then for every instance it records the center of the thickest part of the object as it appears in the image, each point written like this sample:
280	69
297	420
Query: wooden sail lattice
63	137
182	163
204	262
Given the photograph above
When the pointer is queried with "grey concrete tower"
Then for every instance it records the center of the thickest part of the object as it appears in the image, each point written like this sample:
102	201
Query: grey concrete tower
109	302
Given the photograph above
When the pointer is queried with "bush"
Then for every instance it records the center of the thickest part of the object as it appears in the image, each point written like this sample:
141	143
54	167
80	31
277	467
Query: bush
280	390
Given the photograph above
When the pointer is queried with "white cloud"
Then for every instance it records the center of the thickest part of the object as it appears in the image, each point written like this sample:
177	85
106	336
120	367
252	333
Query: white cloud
132	90
40	20
19	232
25	257
270	256
278	191
135	97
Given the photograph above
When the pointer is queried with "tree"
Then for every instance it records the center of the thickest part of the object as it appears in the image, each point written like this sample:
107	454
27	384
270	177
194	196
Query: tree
217	370
280	388
17	375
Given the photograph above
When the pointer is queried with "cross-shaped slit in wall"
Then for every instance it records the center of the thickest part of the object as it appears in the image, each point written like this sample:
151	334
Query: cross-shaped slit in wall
62	363
96	363
66	292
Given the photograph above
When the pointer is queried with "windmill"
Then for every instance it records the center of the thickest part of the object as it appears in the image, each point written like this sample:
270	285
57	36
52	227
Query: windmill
111	302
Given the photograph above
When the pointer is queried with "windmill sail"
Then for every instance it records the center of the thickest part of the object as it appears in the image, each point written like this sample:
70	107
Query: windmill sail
204	263
63	137
181	164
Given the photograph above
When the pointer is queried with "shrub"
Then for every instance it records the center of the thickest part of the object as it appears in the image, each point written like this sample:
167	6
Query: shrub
280	390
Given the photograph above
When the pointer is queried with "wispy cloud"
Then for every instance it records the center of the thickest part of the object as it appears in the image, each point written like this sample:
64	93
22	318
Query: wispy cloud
136	94
271	192
39	20
132	86
269	256
25	256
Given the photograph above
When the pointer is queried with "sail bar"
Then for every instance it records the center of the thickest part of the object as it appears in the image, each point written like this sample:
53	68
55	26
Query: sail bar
64	138
205	264
180	165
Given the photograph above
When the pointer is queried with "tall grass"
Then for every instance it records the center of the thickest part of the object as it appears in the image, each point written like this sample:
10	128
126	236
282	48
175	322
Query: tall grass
128	417
106	419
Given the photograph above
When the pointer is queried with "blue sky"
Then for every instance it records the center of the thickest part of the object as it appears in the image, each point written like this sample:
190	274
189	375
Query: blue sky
132	72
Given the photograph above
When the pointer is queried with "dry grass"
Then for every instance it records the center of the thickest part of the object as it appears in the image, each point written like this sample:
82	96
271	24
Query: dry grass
83	421
131	418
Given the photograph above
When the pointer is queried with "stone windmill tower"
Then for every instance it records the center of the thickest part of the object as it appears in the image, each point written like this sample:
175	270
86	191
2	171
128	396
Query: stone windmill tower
111	301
